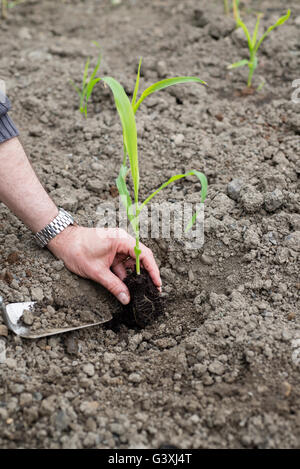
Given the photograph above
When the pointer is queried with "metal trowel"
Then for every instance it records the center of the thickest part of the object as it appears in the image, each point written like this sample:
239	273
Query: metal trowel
12	313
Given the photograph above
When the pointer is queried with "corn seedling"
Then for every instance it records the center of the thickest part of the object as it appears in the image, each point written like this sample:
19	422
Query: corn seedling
127	111
234	6
88	84
254	43
4	8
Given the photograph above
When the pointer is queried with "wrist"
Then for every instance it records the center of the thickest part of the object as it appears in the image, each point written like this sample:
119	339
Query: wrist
58	244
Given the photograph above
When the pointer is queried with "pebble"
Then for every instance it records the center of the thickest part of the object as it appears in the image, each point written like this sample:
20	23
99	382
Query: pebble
3	331
37	294
135	378
11	363
179	139
273	200
27	317
89	369
292	241
252	200
89	407
207	260
217	368
234	188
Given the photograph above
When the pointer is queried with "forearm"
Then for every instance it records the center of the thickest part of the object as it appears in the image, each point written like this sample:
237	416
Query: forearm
20	189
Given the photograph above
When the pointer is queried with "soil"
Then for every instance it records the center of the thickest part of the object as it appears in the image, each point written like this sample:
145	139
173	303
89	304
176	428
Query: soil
220	368
145	305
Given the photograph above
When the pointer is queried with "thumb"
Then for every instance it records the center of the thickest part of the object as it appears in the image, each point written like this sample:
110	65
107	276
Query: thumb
114	285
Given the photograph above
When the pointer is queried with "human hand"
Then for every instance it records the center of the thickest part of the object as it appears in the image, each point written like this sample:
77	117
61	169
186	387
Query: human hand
102	255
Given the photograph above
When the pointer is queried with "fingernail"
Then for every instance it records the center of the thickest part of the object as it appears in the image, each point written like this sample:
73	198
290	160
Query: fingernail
159	289
123	298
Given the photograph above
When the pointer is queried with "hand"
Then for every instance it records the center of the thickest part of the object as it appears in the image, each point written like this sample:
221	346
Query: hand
102	255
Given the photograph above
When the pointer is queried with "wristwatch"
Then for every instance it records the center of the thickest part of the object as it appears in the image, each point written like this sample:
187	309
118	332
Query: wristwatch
57	225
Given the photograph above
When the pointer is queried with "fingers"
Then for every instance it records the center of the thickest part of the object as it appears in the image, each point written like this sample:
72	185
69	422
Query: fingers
149	263
113	284
126	244
120	270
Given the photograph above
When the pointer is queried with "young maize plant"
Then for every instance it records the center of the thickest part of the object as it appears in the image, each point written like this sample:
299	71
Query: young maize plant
234	6
253	42
4	8
87	83
127	111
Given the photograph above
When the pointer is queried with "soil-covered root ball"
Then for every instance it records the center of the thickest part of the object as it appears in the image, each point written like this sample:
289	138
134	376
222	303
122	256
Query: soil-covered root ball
145	304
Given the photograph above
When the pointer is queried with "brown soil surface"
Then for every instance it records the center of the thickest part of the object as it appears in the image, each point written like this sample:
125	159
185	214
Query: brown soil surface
220	369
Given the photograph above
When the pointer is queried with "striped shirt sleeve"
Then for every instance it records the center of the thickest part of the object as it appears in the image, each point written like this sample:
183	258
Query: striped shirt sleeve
7	127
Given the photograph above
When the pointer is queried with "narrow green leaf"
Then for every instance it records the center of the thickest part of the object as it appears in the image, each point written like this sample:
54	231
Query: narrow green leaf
281	20
200	176
76	88
164	84
240	23
241	63
90	87
129	128
254	37
85	73
137	82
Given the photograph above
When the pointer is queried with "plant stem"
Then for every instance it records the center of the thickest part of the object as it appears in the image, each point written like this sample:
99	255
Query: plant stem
226	7
137	261
4	8
251	69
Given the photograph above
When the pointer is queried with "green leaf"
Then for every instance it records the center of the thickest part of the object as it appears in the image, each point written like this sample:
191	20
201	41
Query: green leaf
202	179
76	88
90	88
137	82
164	84
200	176
129	129
85	73
281	20
240	23
241	63
254	37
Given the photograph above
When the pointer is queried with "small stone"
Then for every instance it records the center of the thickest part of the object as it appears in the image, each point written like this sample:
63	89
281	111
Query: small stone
273	200
161	68
25	399
72	345
3	330
251	238
234	189
217	368
89	369
89	407
27	317
108	357
291	316
11	363
37	294
292	241
178	139
207	260
135	378
191	276
199	369
95	185
252	200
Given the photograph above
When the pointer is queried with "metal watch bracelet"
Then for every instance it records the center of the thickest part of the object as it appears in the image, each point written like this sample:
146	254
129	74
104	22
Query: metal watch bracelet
60	222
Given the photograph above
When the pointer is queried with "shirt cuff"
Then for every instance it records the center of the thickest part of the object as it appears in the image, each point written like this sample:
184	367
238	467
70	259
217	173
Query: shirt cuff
7	128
